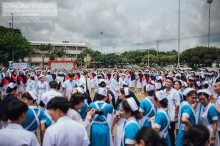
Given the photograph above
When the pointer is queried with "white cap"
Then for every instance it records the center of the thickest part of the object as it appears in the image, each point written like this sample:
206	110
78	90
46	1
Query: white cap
177	75
185	84
132	104
33	94
80	90
158	85
101	80
127	91
158	78
191	78
41	75
149	87
160	95
205	91
187	90
102	91
11	85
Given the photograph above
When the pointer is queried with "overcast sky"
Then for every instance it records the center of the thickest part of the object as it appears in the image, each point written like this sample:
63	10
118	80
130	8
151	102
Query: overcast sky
83	20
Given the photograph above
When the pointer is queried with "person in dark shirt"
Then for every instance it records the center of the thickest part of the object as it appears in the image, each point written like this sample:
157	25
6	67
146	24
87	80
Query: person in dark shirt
11	90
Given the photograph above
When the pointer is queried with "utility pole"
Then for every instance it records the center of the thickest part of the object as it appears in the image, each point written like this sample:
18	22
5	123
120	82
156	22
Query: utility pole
158	41
138	35
178	64
12	40
101	40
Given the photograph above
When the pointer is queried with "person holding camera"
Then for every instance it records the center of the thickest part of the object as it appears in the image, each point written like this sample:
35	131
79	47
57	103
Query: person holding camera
77	101
100	131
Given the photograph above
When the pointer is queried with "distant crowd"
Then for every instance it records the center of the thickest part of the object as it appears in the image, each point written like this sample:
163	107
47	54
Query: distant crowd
180	107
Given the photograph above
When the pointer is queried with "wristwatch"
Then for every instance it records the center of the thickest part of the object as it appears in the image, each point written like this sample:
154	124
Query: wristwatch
213	138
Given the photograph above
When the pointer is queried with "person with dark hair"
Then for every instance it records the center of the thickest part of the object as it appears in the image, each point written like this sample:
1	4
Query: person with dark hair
12	91
100	133
5	81
197	135
160	123
14	134
186	115
68	85
47	96
146	136
31	84
48	77
173	106
65	131
147	109
139	78
123	94
86	81
35	116
129	111
178	87
216	102
209	115
77	101
102	84
114	85
20	83
42	87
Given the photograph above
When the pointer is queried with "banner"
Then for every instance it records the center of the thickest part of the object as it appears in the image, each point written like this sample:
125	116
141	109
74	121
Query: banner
20	65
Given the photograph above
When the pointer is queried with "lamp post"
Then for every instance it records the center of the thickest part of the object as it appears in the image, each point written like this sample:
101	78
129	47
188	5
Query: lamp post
12	40
178	64
209	2
101	40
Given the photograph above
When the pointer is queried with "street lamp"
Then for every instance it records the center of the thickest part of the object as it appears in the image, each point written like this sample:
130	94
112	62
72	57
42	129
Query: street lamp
12	40
209	1
178	64
101	40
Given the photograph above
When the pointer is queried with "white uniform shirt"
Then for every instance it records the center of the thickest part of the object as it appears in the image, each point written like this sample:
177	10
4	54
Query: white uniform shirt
15	135
66	132
46	97
69	86
173	101
73	114
83	80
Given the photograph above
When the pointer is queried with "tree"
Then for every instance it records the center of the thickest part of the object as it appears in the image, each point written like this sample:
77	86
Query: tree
22	48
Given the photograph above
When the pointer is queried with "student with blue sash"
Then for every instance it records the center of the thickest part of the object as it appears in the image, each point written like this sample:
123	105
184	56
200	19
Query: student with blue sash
129	111
147	109
100	133
161	121
186	114
35	117
209	116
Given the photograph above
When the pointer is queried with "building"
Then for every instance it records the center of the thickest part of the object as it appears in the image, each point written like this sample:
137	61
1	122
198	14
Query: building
73	49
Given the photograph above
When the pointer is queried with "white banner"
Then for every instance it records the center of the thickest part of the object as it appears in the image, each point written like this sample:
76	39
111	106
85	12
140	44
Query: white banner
20	65
61	65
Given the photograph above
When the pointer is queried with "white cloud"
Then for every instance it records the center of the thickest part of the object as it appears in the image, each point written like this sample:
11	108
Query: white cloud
83	20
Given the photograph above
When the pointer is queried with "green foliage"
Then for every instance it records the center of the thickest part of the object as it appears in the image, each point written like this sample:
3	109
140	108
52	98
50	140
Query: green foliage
200	55
22	48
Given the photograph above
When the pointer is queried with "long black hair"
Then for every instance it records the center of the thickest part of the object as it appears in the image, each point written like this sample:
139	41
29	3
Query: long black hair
197	135
127	109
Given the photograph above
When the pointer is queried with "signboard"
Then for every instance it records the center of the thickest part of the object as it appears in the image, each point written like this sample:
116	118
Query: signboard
20	65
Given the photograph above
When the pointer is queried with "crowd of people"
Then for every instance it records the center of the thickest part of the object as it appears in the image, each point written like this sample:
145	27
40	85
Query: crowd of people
181	107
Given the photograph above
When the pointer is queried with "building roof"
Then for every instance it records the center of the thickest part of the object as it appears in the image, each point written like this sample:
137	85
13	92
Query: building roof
59	43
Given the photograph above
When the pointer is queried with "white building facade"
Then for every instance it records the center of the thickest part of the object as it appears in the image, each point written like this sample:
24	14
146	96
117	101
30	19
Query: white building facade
73	49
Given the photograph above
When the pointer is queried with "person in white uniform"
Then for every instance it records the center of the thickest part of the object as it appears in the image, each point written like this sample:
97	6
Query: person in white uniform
86	81
68	85
14	134
42	87
65	132
46	97
114	87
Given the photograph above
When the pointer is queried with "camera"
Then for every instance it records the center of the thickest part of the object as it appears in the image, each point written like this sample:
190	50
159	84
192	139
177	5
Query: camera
98	111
